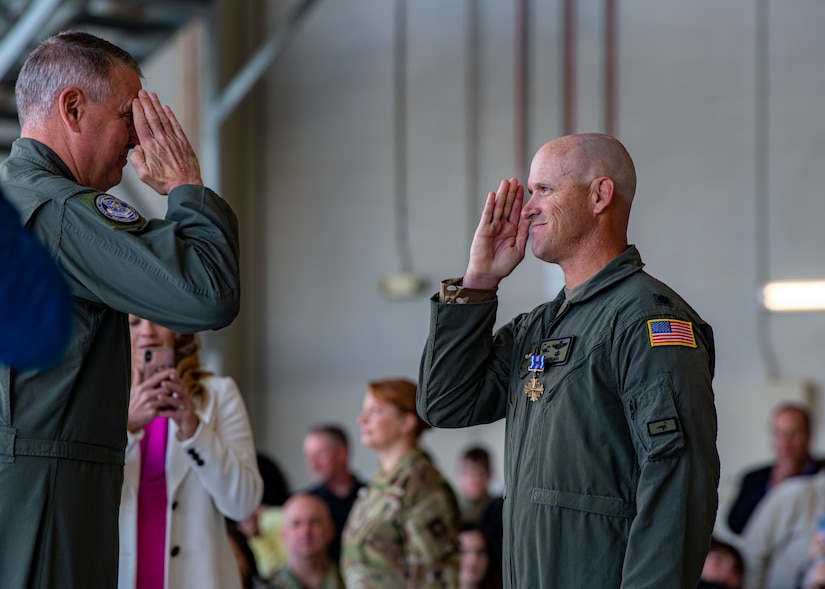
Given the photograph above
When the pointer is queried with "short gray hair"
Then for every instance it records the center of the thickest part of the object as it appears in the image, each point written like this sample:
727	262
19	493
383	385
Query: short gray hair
71	58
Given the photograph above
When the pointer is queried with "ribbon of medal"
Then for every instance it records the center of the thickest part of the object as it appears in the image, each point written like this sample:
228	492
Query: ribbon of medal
534	388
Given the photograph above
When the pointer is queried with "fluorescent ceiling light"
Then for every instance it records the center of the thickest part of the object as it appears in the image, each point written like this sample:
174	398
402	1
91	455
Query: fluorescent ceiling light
803	295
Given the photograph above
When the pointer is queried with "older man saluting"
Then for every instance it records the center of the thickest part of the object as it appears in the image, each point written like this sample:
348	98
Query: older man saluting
63	429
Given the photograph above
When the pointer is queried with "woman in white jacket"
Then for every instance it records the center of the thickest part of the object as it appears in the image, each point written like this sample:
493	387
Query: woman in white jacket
190	461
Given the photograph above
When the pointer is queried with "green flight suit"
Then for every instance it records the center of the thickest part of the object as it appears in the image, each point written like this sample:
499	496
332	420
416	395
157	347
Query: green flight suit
63	430
611	474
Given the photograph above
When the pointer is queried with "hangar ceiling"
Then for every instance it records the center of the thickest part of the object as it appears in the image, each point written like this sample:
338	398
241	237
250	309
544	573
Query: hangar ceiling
138	26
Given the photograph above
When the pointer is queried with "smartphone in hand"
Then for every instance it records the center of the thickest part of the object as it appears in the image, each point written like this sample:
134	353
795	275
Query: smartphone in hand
157	359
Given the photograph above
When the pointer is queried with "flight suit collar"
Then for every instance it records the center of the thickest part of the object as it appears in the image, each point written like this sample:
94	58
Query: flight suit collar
41	155
626	263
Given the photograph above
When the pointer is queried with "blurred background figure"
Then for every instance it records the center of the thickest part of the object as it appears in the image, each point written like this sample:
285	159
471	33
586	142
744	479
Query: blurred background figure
307	531
326	450
777	539
244	558
815	572
723	568
403	529
35	303
473	484
791	438
262	529
190	462
478	507
477	569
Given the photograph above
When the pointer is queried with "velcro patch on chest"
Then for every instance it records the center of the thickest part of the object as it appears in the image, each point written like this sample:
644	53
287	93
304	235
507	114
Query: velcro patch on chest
557	350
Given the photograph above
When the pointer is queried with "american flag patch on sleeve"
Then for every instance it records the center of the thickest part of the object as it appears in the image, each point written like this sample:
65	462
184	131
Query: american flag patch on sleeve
670	332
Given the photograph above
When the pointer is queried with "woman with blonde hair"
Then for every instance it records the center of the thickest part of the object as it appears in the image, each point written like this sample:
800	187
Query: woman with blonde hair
190	462
402	530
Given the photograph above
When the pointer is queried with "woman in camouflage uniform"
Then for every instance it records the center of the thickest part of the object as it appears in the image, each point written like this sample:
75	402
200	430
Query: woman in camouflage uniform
402	531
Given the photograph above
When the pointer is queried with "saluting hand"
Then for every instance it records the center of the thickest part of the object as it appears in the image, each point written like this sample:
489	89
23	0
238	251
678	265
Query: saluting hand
500	239
164	158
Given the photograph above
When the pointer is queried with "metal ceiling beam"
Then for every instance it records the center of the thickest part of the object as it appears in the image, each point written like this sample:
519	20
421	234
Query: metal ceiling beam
29	25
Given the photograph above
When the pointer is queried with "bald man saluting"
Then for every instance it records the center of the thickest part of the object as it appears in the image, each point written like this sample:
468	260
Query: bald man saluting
611	468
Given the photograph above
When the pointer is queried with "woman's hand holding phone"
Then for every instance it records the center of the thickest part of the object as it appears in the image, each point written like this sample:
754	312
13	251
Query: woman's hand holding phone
157	391
148	396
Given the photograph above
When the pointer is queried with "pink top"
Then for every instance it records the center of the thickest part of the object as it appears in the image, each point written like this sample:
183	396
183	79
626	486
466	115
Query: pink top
151	511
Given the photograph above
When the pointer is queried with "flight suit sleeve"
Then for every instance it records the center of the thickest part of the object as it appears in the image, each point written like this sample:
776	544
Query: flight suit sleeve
665	385
465	368
181	271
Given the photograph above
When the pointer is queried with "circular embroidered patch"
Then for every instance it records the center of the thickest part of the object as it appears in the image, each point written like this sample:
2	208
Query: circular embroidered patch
115	209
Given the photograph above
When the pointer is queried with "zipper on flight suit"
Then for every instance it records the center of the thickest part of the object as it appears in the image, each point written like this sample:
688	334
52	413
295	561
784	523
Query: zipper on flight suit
545	331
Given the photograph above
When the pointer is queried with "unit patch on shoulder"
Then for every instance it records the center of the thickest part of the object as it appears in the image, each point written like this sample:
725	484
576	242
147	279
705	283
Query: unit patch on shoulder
670	332
116	210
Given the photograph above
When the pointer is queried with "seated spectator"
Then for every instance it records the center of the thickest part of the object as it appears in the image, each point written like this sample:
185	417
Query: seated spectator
815	572
791	435
724	567
326	449
262	529
476	570
276	487
776	541
477	505
473	484
245	558
307	531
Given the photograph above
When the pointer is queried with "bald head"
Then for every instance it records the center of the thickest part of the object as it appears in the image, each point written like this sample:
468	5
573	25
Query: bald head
299	503
591	155
581	188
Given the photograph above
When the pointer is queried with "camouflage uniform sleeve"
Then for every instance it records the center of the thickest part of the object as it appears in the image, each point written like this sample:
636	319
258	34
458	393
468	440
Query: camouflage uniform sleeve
372	555
432	535
453	292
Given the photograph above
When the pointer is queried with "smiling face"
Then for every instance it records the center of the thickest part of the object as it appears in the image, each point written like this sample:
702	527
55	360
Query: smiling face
106	132
145	334
559	209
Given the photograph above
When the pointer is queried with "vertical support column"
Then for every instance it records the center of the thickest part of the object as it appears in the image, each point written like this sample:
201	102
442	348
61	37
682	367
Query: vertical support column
232	164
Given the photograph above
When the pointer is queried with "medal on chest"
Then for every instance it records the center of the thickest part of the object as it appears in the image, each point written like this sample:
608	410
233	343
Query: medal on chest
534	389
553	352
